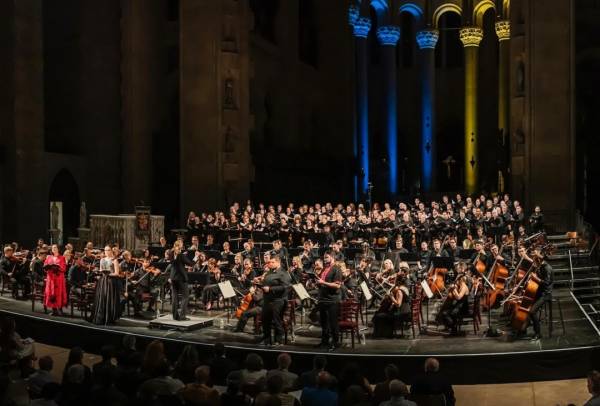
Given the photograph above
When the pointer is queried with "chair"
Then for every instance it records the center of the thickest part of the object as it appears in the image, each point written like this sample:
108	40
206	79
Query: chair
82	299
37	294
9	285
348	318
473	314
289	321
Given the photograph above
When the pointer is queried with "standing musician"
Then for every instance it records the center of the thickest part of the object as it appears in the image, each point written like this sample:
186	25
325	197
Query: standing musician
255	307
544	273
77	276
178	279
275	284
329	283
55	294
456	301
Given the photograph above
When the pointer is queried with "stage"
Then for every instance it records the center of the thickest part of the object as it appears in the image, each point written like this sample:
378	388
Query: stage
473	358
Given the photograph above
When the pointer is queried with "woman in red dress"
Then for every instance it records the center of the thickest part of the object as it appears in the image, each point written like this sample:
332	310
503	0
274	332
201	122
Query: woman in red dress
55	295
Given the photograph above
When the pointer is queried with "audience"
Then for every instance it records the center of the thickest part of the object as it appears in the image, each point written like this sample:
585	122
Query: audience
381	392
275	387
290	379
199	393
75	390
105	366
220	365
321	393
76	358
42	376
254	372
593	384
49	394
398	392
187	364
309	378
433	383
161	386
233	395
149	380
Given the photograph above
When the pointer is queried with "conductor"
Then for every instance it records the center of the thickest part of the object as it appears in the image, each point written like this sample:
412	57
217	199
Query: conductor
179	281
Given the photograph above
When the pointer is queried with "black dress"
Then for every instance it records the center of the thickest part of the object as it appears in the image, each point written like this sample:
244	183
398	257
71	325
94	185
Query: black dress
107	300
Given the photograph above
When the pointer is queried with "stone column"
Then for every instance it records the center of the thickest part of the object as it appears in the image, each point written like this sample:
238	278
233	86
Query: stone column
388	36
362	25
471	38
503	33
427	40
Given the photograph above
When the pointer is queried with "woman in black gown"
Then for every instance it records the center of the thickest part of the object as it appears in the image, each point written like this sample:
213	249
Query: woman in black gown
109	288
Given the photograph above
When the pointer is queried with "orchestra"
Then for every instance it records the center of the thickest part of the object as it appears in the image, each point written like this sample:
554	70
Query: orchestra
461	250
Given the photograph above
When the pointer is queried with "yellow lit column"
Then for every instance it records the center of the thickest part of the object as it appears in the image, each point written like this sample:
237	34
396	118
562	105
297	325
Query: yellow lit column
503	33
471	38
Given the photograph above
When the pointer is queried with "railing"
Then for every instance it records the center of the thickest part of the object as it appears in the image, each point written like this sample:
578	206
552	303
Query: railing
571	269
587	316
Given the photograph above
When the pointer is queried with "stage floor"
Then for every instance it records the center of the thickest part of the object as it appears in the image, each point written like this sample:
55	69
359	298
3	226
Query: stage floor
578	334
472	359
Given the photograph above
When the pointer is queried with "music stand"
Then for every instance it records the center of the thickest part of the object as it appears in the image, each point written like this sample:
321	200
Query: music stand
228	293
303	295
442	262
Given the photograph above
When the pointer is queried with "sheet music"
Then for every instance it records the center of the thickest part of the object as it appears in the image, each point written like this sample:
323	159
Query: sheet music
300	291
426	289
226	290
365	290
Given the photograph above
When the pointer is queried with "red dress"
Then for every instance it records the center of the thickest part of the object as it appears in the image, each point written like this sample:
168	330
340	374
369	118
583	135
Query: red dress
55	295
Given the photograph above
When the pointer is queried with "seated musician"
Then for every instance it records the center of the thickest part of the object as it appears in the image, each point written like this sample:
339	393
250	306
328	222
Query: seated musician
308	255
14	269
77	275
254	309
142	283
453	249
424	256
248	252
394	307
387	272
397	245
211	291
336	251
226	255
350	283
296	270
456	303
279	251
480	253
247	274
36	268
438	250
494	256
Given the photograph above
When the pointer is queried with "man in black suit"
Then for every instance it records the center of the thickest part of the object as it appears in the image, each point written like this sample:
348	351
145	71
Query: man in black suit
178	278
329	282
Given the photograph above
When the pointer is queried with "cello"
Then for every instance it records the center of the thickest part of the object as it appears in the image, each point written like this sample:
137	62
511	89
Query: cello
436	277
497	276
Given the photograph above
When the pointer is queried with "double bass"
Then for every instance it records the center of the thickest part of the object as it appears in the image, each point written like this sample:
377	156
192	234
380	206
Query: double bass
497	276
